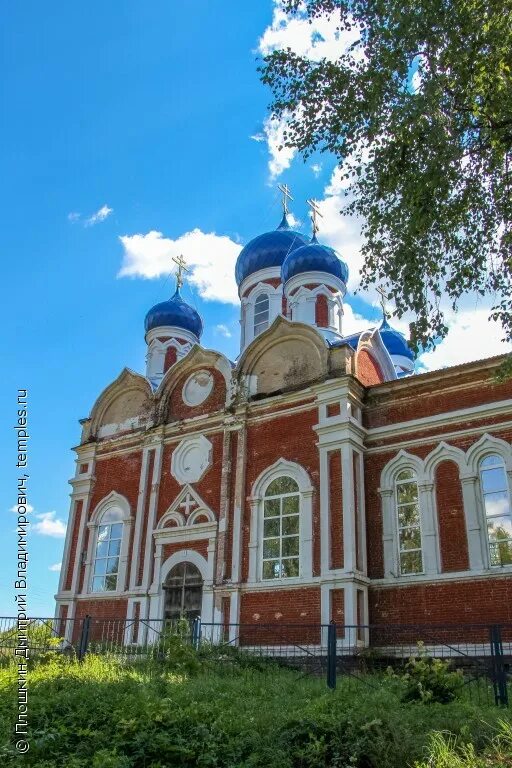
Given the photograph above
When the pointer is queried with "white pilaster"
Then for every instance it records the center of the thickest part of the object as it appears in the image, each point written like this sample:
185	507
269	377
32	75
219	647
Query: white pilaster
325	532
431	558
349	531
139	517
476	553
391	565
238	503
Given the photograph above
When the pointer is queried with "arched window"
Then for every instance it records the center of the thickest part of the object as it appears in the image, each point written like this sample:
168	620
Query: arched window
108	550
183	592
281	529
496	501
409	525
261	313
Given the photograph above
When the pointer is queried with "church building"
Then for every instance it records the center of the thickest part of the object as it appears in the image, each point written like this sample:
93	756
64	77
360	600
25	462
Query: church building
316	477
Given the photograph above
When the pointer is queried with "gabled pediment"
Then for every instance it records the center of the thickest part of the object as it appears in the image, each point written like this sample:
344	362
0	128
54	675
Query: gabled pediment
126	403
187	509
285	356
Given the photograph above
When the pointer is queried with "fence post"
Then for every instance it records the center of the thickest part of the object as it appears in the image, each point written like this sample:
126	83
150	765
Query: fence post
499	673
331	655
84	638
196	632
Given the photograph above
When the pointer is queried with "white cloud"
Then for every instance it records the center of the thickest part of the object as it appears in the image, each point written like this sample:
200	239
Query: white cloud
29	507
95	218
343	233
223	330
293	221
280	156
316	40
100	215
211	259
317	169
313	39
49	525
471	336
354	322
56	567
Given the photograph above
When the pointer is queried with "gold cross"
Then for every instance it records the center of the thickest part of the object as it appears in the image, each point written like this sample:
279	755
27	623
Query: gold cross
286	196
180	261
315	211
383	296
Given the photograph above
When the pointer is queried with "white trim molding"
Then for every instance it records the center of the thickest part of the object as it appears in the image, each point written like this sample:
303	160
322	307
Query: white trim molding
248	303
117	501
282	468
468	464
428	524
205	567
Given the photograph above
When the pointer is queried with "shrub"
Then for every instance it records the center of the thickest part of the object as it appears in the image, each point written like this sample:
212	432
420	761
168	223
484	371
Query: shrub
431	680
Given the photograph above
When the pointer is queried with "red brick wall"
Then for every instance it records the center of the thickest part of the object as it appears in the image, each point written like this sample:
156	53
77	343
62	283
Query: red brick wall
273	281
228	552
333	409
337	608
208	487
200	546
287	606
280	617
121	474
321	311
77	514
178	410
452	602
357	508
107	620
171	355
335	510
368	371
423	396
117	473
291	437
62	625
450	515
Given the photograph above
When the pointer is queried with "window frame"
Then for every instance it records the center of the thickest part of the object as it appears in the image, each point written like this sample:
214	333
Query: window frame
281	467
501	464
256	329
97	558
399	528
281	536
119	504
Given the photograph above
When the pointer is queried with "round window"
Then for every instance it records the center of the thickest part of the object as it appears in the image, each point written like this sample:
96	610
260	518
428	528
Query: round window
197	388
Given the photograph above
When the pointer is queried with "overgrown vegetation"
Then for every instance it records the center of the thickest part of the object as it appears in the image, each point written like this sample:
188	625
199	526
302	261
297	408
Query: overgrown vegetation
431	680
215	709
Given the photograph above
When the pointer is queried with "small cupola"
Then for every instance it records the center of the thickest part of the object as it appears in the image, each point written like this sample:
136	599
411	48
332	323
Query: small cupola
172	328
258	275
399	350
314	283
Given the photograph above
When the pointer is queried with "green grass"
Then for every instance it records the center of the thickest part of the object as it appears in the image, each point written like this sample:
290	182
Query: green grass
106	714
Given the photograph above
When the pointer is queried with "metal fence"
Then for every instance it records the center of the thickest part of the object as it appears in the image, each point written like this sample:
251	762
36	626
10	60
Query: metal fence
483	653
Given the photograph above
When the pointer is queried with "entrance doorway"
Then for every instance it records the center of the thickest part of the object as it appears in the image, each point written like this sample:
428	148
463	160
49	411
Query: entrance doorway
183	592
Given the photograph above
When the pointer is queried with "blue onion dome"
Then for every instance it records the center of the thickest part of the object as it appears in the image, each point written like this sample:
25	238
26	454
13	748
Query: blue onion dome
267	250
175	312
394	341
314	257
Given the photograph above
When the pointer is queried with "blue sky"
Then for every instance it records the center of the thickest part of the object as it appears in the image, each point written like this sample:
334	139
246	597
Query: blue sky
131	132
